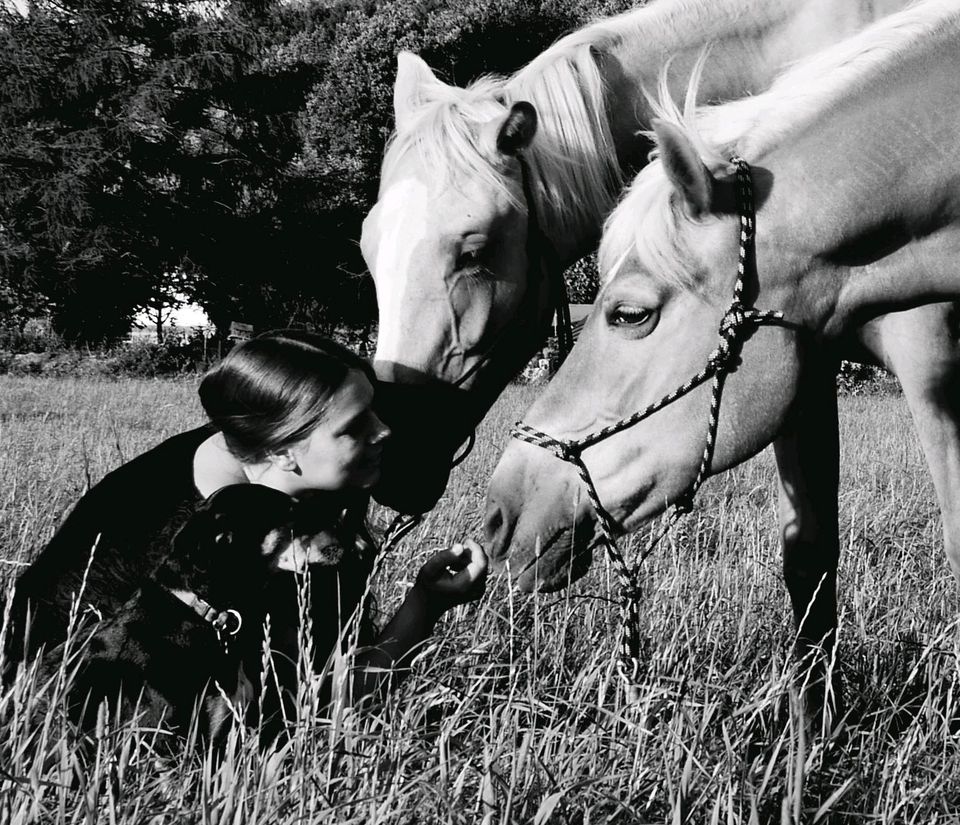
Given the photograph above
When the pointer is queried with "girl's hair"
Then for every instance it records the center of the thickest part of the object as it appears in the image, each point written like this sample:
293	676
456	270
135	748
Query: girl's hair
271	391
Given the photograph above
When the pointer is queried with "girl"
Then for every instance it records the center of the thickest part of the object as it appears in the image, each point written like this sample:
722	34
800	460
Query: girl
292	412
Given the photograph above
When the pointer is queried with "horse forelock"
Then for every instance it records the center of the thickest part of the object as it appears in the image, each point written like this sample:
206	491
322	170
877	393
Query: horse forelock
645	225
644	229
445	134
572	161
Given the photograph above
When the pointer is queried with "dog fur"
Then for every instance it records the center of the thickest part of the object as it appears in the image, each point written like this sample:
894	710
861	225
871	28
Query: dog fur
157	656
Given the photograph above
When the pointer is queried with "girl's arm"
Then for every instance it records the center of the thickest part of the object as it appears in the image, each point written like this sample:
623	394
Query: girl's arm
448	578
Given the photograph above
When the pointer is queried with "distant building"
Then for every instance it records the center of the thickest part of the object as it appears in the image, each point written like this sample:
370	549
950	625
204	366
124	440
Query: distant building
578	315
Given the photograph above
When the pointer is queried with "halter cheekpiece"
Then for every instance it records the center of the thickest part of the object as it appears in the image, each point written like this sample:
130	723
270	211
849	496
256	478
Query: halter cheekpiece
736	321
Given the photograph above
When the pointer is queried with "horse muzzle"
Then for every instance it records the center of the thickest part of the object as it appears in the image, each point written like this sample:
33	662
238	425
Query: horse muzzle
428	423
537	523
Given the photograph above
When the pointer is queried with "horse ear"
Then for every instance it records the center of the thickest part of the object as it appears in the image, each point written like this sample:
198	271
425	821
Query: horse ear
513	132
517	129
684	167
413	75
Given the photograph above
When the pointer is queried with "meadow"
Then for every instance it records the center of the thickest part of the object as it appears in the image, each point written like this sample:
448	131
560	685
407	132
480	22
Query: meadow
514	712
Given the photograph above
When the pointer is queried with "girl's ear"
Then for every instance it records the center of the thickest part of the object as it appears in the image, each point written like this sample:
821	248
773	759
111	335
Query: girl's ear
285	460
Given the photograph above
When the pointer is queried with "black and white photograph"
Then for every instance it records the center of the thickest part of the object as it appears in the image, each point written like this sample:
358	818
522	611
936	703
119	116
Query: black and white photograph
480	412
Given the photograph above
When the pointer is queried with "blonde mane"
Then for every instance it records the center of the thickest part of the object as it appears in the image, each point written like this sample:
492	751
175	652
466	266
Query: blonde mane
644	224
754	125
574	174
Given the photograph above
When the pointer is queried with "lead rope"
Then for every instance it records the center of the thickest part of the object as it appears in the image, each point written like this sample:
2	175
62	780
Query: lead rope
736	319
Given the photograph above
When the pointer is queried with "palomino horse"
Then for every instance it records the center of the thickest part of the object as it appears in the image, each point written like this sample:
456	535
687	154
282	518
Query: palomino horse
855	170
465	276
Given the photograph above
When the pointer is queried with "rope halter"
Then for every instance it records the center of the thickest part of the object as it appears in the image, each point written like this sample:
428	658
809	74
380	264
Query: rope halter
735	326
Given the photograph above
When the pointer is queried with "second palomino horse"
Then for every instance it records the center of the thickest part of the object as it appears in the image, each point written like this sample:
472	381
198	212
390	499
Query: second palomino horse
855	175
464	244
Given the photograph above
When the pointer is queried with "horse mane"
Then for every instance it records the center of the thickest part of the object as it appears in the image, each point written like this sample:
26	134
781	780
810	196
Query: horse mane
574	174
754	125
644	224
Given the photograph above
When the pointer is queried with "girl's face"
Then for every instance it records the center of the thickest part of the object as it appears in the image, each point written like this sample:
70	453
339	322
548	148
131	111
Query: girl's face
344	449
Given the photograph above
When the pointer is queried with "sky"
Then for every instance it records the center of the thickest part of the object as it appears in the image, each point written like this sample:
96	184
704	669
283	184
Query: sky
189	315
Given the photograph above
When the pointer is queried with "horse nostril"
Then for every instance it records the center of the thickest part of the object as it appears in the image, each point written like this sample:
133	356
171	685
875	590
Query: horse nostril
498	529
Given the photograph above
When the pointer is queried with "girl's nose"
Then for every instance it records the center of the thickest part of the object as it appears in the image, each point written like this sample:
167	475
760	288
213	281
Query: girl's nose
381	432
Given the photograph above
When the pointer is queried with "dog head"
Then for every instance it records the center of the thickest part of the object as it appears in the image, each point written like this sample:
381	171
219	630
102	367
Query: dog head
235	540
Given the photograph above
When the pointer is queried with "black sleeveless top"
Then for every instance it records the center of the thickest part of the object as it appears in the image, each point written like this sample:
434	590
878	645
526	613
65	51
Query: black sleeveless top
127	522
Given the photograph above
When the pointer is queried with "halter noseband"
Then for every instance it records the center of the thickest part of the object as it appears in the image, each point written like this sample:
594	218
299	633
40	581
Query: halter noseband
736	320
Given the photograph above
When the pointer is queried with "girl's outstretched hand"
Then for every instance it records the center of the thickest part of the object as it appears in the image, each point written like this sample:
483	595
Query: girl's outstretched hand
454	576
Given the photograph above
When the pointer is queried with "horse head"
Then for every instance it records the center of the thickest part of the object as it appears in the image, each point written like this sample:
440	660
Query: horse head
669	259
457	242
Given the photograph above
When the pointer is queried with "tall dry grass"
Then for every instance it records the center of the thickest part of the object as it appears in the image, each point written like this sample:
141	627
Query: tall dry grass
513	712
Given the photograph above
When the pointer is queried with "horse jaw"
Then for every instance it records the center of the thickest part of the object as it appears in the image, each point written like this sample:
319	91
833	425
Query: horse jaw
538	515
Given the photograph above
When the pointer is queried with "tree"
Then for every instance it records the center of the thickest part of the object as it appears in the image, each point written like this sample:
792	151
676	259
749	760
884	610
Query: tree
583	280
237	142
138	138
166	297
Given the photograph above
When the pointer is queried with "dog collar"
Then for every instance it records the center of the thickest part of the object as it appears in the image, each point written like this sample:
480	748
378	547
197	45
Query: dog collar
224	621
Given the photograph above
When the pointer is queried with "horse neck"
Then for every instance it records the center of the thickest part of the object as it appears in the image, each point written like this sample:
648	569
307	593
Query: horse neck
631	50
863	215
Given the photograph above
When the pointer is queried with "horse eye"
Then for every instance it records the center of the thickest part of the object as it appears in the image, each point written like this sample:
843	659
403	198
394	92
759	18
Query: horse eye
469	259
627	315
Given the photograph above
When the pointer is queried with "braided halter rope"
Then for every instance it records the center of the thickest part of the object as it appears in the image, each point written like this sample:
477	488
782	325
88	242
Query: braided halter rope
737	320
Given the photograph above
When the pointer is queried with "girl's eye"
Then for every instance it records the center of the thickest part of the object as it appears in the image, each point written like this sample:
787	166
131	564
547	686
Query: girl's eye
356	427
629	315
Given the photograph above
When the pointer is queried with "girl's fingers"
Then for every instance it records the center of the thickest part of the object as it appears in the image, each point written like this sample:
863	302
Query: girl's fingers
455	571
465	579
441	560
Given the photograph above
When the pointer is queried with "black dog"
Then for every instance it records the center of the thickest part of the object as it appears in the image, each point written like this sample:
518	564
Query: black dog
190	638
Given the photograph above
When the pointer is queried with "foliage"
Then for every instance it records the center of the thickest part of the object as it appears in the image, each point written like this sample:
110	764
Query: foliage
141	359
583	280
863	379
143	138
234	143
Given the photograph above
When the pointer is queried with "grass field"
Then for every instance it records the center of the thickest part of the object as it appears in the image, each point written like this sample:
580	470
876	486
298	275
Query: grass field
513	712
